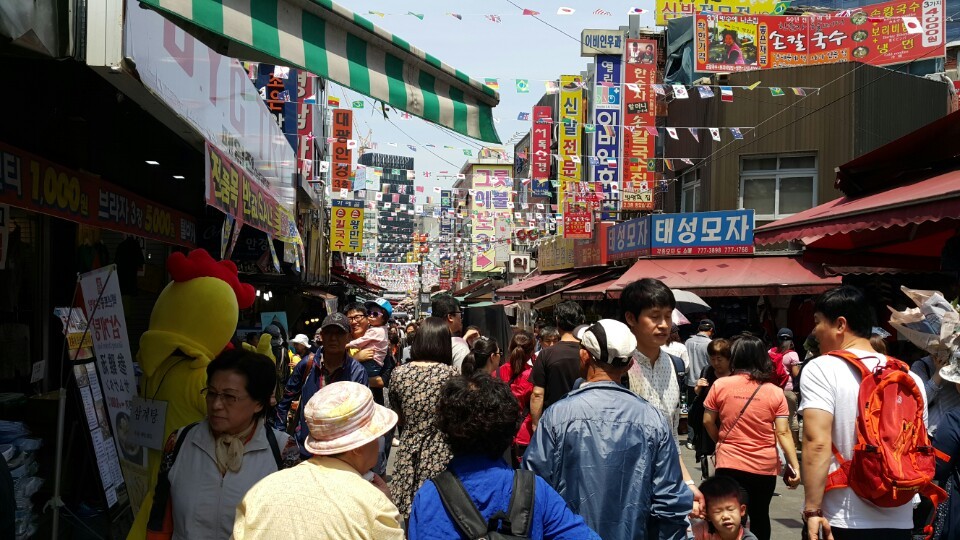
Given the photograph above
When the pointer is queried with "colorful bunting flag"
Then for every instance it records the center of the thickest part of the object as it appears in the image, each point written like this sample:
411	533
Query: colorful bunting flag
705	92
680	91
357	104
673	133
523	86
736	133
589	128
467	152
492	83
658	89
652	131
602	12
412	147
668	163
636	11
377	13
776	91
754	85
456	16
726	94
333	101
687	161
715	133
694	134
530	12
552	87
493	18
565	11
417	15
799	91
523	116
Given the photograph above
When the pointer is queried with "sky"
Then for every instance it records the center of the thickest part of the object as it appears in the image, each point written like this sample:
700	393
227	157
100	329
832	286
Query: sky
519	47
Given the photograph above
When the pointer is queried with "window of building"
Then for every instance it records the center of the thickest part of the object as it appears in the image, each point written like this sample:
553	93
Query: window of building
778	186
690	191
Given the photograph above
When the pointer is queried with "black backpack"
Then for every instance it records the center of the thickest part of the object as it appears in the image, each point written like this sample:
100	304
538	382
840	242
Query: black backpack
514	524
681	371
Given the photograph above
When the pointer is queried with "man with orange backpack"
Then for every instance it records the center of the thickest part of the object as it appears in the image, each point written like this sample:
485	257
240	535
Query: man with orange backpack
860	471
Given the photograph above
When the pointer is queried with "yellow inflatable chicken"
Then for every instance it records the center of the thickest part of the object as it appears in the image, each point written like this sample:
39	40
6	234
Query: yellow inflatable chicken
192	322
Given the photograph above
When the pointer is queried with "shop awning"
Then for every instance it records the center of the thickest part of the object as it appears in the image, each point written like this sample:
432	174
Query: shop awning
356	280
555	297
518	289
744	276
591	292
471	287
930	200
337	44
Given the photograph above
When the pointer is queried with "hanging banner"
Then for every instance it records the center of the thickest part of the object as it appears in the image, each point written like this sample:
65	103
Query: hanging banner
341	156
592	252
489	211
877	35
540	151
702	233
606	138
675	9
571	118
639	111
346	225
578	221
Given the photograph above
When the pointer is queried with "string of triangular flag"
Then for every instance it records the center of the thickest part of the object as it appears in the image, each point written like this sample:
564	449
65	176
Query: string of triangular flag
498	17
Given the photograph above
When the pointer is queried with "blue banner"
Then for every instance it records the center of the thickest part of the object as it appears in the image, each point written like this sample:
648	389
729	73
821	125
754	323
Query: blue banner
629	240
606	139
728	232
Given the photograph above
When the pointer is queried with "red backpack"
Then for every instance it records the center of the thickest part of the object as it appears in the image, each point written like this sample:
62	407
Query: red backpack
893	458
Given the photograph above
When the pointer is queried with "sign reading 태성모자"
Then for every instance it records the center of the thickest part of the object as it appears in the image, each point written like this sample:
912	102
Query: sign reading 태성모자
540	151
629	240
36	184
606	137
877	34
346	225
571	117
639	111
232	191
675	9
728	232
594	42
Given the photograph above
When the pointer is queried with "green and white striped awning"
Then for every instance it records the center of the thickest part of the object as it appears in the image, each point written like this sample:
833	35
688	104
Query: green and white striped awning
339	45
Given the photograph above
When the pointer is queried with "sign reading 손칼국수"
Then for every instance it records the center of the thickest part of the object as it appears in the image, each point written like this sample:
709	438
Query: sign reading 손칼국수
346	225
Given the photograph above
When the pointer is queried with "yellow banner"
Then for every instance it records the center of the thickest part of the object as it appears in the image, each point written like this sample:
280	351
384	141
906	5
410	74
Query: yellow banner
674	9
568	143
346	226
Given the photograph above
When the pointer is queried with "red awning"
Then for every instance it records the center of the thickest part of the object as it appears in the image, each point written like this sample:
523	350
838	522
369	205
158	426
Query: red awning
744	276
518	289
553	298
592	292
929	200
355	279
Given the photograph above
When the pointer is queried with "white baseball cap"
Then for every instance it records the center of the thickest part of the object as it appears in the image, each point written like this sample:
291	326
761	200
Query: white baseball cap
609	342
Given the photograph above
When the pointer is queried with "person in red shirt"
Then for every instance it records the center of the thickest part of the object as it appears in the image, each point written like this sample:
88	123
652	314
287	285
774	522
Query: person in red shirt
516	373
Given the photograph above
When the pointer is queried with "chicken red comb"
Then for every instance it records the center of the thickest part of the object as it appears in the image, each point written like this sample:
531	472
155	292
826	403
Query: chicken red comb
199	263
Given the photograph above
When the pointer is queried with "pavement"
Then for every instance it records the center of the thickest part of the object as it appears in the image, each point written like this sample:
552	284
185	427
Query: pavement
785	508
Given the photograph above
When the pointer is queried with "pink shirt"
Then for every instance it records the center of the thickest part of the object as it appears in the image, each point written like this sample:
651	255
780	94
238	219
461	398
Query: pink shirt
374	338
752	444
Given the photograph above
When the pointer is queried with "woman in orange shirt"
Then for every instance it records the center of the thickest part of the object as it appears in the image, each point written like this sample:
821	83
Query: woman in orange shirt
753	419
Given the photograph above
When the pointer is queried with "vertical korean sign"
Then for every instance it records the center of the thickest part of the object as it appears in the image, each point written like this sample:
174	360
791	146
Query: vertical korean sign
606	138
489	209
639	111
540	151
341	156
346	225
108	328
571	103
306	103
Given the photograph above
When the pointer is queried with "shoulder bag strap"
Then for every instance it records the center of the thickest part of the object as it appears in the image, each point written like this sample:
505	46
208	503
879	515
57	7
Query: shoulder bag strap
739	416
161	492
274	446
521	502
456	500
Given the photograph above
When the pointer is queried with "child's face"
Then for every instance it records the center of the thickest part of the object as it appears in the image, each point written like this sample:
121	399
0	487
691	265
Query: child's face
726	514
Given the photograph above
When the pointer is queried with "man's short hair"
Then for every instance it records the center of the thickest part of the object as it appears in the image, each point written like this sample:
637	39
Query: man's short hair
569	315
644	294
355	306
718	488
549	332
850	303
444	305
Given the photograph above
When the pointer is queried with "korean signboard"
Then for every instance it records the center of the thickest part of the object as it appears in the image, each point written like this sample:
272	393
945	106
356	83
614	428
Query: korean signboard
876	35
555	254
592	252
594	42
489	211
606	137
639	111
702	233
629	240
341	156
571	116
278	90
346	225
577	221
540	151
675	9
232	191
306	87
31	182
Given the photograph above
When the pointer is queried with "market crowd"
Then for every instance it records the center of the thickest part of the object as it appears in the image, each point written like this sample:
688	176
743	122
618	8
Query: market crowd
568	432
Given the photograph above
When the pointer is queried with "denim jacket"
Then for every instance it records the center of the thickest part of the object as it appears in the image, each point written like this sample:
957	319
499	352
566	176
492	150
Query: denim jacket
612	457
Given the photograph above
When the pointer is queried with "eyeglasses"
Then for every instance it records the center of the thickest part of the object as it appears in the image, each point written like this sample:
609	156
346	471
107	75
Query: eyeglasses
356	318
227	399
376	314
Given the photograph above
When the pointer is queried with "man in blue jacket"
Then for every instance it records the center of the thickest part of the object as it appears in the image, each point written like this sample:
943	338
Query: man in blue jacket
609	453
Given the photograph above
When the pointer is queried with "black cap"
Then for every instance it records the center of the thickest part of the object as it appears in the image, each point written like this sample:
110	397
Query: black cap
784	334
705	324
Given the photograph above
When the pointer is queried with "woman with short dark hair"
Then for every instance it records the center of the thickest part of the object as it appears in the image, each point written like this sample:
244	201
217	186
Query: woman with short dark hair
479	418
753	418
413	392
224	455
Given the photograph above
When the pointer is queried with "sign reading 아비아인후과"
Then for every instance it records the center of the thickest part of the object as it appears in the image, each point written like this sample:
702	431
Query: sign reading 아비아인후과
728	232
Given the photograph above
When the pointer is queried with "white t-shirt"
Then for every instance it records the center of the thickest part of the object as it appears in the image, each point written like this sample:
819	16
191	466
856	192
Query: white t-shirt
831	384
677	348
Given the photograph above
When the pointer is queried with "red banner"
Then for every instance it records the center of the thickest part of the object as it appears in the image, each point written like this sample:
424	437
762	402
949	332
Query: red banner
540	144
36	184
592	252
341	157
639	111
880	34
578	221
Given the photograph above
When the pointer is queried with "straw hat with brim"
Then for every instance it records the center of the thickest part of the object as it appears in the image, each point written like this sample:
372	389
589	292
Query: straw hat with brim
342	416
